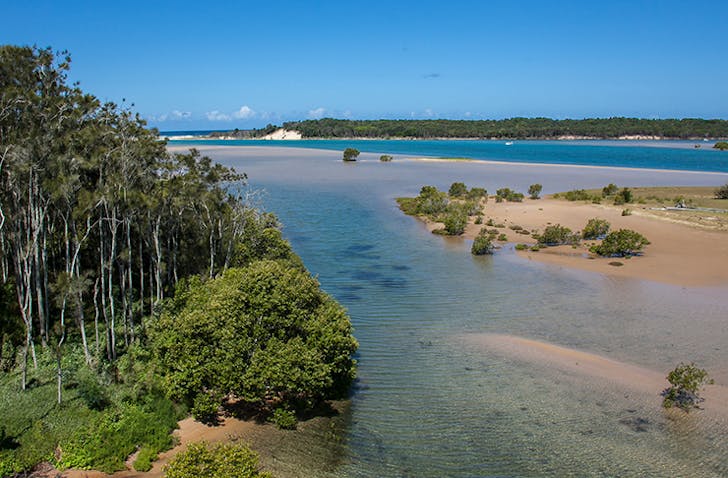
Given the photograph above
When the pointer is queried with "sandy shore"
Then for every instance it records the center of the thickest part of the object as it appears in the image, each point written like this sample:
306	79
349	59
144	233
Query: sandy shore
679	254
592	367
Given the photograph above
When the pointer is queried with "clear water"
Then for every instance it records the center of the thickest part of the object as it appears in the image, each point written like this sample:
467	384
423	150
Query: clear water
428	404
673	155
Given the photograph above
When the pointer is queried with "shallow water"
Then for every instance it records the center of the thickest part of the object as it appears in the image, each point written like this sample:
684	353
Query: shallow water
428	404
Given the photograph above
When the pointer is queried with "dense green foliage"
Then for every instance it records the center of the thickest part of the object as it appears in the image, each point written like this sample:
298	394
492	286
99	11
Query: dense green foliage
722	192
686	382
385	158
511	128
534	191
624	196
265	333
453	209
557	234
350	154
595	228
482	244
457	190
623	242
226	460
99	226
506	194
721	145
609	189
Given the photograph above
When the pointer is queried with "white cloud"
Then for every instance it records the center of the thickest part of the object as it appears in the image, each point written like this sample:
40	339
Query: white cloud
318	113
468	114
217	116
176	114
245	112
428	112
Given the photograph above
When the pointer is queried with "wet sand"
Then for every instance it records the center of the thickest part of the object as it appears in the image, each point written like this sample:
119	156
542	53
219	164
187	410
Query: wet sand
594	368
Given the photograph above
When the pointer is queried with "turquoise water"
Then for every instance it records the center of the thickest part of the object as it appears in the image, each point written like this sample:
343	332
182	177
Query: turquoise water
673	155
429	403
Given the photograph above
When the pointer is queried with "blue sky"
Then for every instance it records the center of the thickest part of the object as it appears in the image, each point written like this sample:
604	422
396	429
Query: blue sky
189	65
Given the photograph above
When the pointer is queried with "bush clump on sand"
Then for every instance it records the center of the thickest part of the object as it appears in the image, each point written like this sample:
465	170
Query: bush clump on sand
476	194
721	145
385	158
507	194
624	196
534	191
576	195
521	247
609	189
621	243
457	190
483	244
556	235
224	460
722	192
686	382
284	419
455	223
595	229
350	154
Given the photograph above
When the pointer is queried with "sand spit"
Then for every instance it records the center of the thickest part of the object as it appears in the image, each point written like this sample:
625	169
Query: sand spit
280	134
679	254
592	367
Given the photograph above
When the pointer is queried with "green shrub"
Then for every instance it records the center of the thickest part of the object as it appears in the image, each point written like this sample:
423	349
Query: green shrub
482	244
624	196
721	145
105	444
350	154
490	223
206	405
577	195
515	227
722	192
534	191
147	455
284	419
626	212
610	189
621	243
506	194
455	223
94	394
557	234
502	238
431	201
479	219
686	382
457	190
224	460
595	228
385	158
477	194
521	247
535	248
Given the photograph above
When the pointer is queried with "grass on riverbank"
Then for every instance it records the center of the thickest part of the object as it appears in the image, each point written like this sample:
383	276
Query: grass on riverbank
651	200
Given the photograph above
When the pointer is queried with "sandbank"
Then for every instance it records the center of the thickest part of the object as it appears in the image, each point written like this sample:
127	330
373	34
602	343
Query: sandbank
679	254
592	367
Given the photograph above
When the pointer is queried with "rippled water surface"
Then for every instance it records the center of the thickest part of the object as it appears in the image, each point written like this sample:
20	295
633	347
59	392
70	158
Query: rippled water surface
427	402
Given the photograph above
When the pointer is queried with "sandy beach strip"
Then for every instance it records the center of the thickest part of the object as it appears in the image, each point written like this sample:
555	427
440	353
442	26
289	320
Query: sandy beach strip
679	254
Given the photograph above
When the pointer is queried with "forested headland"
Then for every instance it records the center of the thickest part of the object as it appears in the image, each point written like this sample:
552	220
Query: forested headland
138	286
514	128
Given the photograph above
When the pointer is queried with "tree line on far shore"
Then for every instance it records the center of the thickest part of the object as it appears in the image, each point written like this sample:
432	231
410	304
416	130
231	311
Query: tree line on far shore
513	128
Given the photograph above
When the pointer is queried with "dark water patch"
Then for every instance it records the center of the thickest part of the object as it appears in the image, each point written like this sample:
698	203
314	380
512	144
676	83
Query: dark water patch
366	275
392	282
400	267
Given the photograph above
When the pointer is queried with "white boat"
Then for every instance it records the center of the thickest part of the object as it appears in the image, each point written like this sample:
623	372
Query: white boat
509	143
